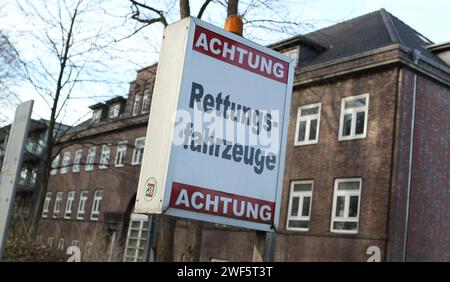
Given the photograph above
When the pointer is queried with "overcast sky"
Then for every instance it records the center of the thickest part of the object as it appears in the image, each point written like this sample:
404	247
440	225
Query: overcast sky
431	18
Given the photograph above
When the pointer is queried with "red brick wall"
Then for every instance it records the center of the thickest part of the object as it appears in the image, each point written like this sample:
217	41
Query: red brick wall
119	186
369	158
428	236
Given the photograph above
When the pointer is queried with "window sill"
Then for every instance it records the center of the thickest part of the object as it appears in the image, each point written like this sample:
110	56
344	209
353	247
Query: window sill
344	232
343	139
296	230
306	144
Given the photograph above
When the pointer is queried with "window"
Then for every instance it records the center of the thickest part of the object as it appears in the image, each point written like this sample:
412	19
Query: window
137	104
121	153
346	201
33	177
77	161
293	53
65	162
146	101
308	123
98	195
299	205
48	198
136	238
90	159
50	241
23	175
114	111
55	164
353	121
104	159
82	204
138	151
97	115
69	204
57	207
61	244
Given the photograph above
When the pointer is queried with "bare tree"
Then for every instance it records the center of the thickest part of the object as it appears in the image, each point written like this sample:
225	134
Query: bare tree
9	71
76	52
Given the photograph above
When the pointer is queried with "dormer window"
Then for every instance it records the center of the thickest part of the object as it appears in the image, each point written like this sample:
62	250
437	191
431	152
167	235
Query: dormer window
96	115
114	110
293	53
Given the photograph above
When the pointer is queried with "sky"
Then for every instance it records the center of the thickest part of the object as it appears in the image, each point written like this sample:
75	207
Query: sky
431	19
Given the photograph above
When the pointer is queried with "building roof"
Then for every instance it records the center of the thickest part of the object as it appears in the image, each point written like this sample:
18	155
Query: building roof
365	33
97	106
115	100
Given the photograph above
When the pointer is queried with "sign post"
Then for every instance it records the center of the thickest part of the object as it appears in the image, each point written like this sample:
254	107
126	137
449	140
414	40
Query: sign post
215	143
11	167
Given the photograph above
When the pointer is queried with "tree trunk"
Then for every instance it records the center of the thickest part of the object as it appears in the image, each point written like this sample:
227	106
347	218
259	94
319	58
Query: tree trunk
164	247
232	7
185	10
194	241
37	211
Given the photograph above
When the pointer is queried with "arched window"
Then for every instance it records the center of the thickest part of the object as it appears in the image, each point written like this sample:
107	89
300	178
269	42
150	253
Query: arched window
146	101
137	101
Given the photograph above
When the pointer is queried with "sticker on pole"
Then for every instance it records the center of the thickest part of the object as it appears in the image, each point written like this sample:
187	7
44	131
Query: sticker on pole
217	129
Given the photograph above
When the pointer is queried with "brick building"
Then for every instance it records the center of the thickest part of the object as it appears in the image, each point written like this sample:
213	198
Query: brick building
32	163
367	161
93	184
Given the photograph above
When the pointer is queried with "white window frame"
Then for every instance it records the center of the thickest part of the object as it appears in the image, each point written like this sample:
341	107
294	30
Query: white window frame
96	204
60	244
65	162
97	115
353	112
105	156
293	54
54	165
69	204
50	241
300	194
136	104
140	239
77	161
114	110
58	204
347	194
45	210
308	120
146	101
90	159
122	151
81	210
136	150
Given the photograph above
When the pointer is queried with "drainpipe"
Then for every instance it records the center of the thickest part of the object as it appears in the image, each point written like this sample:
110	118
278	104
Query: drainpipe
411	145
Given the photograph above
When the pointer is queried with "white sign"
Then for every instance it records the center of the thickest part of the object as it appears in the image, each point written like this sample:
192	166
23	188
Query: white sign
215	142
11	167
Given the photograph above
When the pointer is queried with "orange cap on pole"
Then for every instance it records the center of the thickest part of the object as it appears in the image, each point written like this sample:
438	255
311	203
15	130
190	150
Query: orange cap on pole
234	24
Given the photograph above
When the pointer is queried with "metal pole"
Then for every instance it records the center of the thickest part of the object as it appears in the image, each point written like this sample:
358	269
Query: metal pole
151	239
11	167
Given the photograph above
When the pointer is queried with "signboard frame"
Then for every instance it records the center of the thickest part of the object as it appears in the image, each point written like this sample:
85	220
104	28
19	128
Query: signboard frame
177	39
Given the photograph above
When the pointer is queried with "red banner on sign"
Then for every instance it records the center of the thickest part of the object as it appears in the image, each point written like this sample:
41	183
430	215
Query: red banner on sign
202	200
240	55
